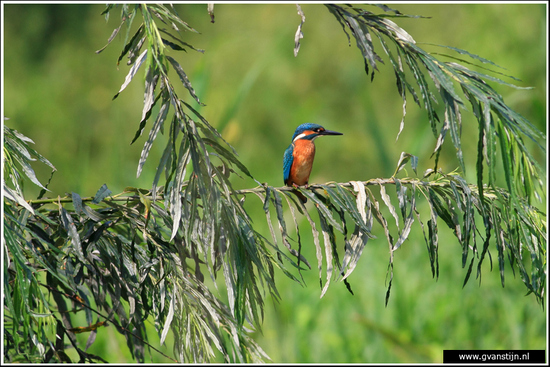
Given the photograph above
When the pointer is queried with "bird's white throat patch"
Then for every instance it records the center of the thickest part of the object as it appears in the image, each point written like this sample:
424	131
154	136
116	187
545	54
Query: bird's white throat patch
303	135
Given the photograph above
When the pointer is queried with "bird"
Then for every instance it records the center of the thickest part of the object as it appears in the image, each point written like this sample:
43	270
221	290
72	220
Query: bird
298	157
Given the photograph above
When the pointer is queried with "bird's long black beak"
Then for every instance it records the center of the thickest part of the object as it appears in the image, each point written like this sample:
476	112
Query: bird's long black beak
329	132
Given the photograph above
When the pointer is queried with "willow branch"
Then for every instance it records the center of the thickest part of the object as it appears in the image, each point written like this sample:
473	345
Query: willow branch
262	189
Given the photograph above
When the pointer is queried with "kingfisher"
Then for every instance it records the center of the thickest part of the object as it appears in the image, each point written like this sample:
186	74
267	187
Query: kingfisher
298	158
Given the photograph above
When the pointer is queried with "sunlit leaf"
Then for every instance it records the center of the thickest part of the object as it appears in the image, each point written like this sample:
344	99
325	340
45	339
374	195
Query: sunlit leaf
133	71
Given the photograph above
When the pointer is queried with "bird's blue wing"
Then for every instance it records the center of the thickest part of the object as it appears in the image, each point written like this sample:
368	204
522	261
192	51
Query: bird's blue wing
287	162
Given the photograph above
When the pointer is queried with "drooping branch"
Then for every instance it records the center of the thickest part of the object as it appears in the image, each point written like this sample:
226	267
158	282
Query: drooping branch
498	122
447	196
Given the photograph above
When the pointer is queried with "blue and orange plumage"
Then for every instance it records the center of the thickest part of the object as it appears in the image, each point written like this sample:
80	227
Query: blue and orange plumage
298	158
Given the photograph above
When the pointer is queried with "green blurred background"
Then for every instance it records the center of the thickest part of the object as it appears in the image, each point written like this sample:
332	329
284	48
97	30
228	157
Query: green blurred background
58	92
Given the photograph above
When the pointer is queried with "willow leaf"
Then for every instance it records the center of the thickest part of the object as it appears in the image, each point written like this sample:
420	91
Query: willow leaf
480	76
151	80
361	200
282	228
172	16
342	199
70	227
152	135
473	56
427	96
408	219
14	196
382	220
162	165
298	236
133	71
389	205
133	45
436	72
321	206
101	194
403	160
175	200
318	250
77	202
326	229
227	155
355	247
184	79
359	239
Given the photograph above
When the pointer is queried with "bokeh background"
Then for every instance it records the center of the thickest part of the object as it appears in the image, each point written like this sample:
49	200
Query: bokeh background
58	92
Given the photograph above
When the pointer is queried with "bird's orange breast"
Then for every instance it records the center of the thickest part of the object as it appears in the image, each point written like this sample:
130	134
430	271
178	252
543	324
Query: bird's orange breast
304	152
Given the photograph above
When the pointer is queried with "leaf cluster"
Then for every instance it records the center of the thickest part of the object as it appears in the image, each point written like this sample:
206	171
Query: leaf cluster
185	252
498	126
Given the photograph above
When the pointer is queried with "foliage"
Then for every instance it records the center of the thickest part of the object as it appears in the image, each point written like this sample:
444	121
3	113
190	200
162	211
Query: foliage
496	122
122	259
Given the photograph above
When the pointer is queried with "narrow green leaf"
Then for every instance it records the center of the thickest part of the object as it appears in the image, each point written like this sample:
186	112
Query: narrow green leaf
381	219
151	80
342	201
29	172
167	322
455	128
172	16
318	250
177	39
101	194
427	96
133	71
184	79
77	202
136	40
172	45
282	227
327	214
143	122
296	228
354	249
433	245
227	155
408	219
161	117
500	240
436	71
361	200
403	160
326	229
437	205
471	74
174	191
70	227
390	272
468	272
14	196
401	192
389	205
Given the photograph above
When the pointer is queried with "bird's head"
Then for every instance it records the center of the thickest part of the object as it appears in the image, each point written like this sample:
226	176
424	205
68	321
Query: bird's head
311	131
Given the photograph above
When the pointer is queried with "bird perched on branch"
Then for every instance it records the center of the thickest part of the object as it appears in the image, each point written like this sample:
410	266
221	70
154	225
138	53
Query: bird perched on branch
298	158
